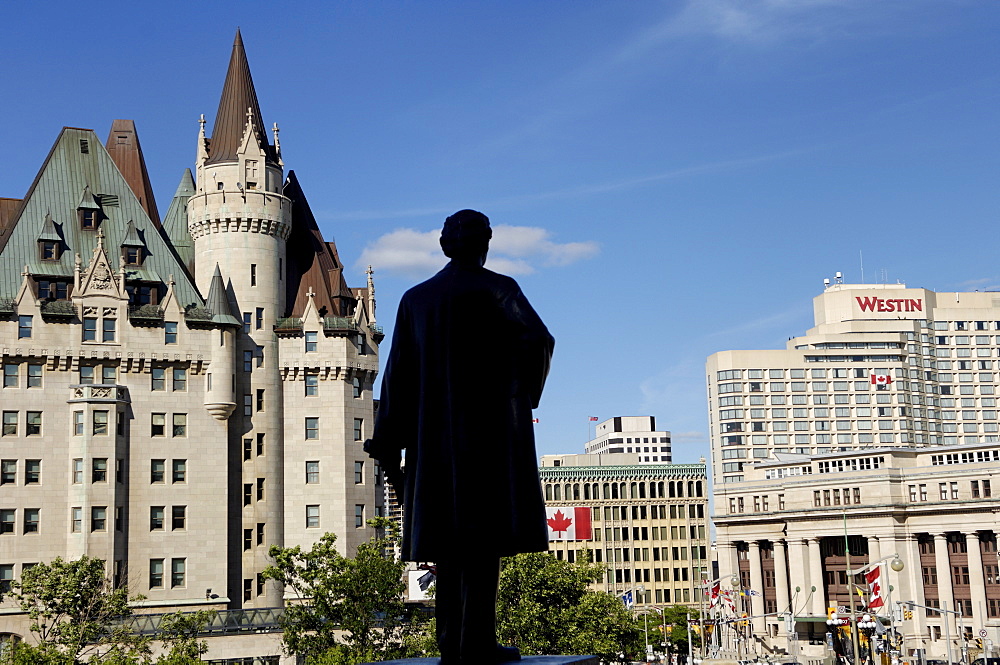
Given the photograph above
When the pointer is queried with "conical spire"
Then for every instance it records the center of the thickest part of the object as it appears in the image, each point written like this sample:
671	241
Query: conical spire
217	303
238	95
175	222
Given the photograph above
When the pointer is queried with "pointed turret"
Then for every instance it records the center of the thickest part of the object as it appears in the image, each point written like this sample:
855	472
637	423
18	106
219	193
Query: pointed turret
175	224
238	96
218	304
123	146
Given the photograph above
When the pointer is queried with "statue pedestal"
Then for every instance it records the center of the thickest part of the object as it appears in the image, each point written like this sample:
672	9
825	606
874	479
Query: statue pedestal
525	660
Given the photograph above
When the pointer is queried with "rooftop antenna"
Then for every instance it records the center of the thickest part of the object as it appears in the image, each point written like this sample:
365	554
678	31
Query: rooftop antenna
826	282
839	276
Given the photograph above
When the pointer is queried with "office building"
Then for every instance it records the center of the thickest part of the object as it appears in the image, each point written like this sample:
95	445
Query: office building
628	434
877	428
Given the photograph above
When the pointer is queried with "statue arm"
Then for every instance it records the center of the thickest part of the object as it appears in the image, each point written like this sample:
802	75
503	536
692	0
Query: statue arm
536	345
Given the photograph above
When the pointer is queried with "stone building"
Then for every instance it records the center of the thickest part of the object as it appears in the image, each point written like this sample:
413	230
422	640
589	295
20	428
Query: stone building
648	523
872	435
179	394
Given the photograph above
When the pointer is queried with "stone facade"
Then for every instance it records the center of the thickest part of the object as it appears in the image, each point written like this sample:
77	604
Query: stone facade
178	396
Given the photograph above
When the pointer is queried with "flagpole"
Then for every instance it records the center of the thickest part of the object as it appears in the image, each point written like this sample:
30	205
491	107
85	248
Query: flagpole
850	593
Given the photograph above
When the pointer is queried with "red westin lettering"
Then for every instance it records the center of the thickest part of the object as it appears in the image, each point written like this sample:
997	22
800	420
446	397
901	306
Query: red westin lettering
872	304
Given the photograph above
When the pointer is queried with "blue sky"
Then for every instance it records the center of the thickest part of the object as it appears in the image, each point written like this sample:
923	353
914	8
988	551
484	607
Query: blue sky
667	179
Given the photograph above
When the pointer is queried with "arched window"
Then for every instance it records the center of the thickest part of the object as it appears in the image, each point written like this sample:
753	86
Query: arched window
680	488
632	491
697	488
586	491
614	490
558	491
568	491
659	489
548	491
642	490
690	488
673	489
607	491
576	491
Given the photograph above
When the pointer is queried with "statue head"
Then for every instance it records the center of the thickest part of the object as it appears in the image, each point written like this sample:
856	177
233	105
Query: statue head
466	236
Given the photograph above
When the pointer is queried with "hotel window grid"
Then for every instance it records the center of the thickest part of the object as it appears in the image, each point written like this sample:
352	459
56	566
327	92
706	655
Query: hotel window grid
98	518
7	519
312	517
156	516
178	572
10	423
179	425
157	470
178	517
99	470
32	471
158	424
179	471
312	428
312	472
156	573
8	472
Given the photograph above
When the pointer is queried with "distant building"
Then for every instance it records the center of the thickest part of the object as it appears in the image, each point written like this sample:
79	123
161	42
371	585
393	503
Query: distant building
631	434
179	394
877	428
647	522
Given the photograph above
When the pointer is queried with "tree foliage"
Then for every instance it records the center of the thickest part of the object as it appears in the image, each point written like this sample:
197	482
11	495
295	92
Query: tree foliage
351	609
545	607
78	616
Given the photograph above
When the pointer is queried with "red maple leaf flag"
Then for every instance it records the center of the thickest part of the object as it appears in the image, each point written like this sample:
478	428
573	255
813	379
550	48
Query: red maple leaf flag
593	419
568	523
874	579
881	379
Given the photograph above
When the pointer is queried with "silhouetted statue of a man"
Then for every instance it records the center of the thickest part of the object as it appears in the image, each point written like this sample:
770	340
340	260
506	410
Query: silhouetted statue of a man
468	361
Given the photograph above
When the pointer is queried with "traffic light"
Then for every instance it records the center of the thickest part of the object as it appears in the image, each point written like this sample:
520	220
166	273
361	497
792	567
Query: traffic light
907	615
979	643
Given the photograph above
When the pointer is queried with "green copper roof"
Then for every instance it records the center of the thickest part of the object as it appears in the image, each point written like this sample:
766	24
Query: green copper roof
217	302
79	171
49	230
175	223
131	238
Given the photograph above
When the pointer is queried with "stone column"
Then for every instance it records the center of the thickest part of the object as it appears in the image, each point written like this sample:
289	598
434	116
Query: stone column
756	585
914	589
874	549
780	577
946	592
977	580
798	574
727	559
815	563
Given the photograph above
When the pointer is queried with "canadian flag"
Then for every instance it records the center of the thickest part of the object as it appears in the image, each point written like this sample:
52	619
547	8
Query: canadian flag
568	523
594	419
534	420
881	379
713	598
874	579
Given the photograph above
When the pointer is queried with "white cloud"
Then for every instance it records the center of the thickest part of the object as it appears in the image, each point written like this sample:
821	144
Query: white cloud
514	250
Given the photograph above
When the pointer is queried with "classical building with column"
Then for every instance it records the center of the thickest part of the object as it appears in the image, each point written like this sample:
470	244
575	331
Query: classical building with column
872	435
648	522
179	394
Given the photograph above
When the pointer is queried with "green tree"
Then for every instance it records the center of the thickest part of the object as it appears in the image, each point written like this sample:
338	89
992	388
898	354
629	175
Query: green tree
351	609
76	614
678	633
545	606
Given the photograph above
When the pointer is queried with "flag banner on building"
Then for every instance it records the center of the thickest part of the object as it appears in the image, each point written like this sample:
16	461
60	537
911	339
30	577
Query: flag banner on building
874	579
593	419
568	523
713	598
881	379
628	599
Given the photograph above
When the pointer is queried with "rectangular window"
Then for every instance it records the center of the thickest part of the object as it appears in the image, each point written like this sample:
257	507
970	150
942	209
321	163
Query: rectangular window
358	387
31	519
32	471
179	471
99	470
170	332
157	470
156	518
77	471
24	327
359	515
247	405
7	518
253	274
10	423
33	423
259	318
10	372
247	449
312	472
34	376
99	518
260	533
248	361
359	473
178	571
180	424
312	428
108	327
156	573
260	443
247	494
312	517
159	378
312	385
158	424
100	423
178	517
180	379
260	399
89	329
247	318
8	472
77	519
358	428
311	341
109	375
247	539
260	489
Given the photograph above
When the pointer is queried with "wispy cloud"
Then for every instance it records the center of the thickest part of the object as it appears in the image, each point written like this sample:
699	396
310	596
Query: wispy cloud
514	250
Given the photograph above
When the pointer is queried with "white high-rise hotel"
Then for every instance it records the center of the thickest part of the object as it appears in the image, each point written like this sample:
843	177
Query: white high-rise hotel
883	418
179	395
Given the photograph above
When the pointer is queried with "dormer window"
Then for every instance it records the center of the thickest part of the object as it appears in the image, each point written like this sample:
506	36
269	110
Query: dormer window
132	256
88	219
52	290
48	250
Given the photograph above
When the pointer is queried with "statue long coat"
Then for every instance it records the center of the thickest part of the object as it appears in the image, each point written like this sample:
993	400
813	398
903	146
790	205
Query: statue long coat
468	362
